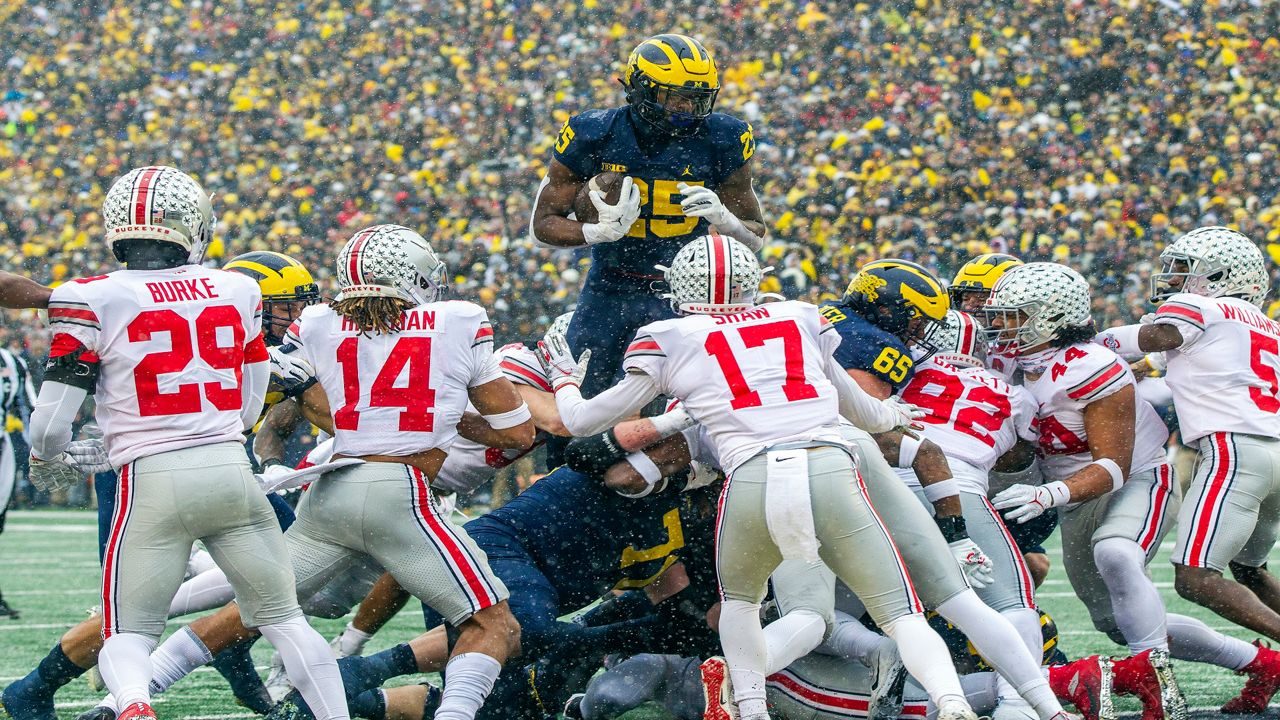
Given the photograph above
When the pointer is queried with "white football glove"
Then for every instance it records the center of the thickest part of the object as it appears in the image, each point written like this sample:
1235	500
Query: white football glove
907	414
975	563
290	370
700	201
52	475
88	456
613	221
557	361
1030	501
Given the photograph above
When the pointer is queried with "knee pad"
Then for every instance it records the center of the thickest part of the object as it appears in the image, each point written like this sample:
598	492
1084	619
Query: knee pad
1118	555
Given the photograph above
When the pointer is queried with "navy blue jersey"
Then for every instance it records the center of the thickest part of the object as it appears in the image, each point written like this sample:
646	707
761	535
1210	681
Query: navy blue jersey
587	539
599	141
865	347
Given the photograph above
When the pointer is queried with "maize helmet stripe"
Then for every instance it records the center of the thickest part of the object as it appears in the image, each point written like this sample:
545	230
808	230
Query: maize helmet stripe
143	197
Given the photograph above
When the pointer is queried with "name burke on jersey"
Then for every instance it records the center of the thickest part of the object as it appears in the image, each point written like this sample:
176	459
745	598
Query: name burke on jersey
410	320
177	290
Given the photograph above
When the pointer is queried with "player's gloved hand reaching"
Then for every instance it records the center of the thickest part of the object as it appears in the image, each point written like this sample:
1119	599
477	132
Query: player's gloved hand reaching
975	563
290	371
700	201
908	415
88	456
557	361
1030	501
52	475
613	221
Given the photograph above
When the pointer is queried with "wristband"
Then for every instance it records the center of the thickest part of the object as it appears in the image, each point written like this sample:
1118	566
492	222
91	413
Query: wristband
648	470
1059	493
509	419
670	423
939	490
1123	340
1113	469
907	449
953	528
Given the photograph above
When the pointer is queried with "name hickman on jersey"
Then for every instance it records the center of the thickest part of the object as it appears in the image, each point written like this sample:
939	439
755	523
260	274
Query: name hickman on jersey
409	320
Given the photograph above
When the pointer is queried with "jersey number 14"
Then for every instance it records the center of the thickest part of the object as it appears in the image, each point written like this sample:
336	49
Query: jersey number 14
416	396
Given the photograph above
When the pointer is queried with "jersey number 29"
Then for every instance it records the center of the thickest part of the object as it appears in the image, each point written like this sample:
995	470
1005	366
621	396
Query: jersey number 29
185	342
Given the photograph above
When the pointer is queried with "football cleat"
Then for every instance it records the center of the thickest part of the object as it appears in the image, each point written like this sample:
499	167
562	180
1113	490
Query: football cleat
7	610
1264	680
24	701
1086	684
99	712
1148	676
888	678
137	711
955	709
292	707
717	690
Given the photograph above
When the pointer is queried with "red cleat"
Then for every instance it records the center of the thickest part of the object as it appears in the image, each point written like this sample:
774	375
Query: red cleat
717	691
1086	684
1149	675
137	711
1264	680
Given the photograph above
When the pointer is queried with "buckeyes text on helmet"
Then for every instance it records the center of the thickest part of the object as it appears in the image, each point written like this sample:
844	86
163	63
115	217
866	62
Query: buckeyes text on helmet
390	261
158	204
713	275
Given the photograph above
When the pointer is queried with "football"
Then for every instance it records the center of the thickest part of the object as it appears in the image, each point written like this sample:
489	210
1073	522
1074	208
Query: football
609	183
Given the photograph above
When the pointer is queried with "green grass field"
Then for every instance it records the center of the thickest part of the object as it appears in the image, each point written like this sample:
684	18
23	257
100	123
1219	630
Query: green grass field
49	571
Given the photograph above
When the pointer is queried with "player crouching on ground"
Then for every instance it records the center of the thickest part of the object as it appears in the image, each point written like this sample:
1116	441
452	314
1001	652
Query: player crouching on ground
761	380
173	412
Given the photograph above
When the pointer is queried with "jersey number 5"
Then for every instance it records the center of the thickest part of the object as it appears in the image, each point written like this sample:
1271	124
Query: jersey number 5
185	399
1265	398
754	336
415	396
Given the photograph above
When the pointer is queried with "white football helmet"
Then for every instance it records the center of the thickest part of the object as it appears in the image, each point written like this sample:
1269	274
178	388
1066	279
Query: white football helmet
1220	262
159	203
713	275
390	261
1052	298
959	340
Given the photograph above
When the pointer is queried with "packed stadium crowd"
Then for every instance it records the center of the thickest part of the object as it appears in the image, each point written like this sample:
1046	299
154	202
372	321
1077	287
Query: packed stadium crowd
929	130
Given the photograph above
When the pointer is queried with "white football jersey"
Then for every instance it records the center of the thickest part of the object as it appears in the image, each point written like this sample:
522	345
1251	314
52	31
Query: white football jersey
1075	377
974	416
1226	375
172	345
400	393
754	378
471	464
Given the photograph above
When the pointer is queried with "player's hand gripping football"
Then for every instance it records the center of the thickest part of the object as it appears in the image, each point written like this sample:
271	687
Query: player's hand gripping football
53	475
1030	501
290	371
975	563
557	361
613	221
700	201
88	456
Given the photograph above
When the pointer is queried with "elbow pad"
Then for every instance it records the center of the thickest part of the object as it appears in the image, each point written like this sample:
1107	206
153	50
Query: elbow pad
77	367
594	454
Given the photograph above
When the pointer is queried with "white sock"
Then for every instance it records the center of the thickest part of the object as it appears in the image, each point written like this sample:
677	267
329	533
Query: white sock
925	657
746	652
1003	646
1139	611
468	680
205	591
311	666
125	664
1190	639
851	640
979	690
790	638
350	642
176	658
